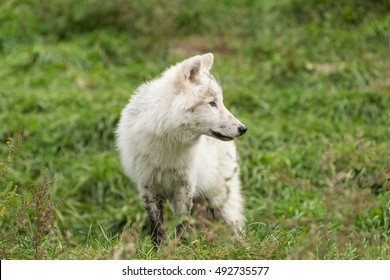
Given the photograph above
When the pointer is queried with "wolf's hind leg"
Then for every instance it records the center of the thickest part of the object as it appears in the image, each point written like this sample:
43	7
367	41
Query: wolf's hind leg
228	205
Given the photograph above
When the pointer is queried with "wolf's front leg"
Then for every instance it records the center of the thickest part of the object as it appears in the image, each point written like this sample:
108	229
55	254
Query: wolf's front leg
182	204
153	204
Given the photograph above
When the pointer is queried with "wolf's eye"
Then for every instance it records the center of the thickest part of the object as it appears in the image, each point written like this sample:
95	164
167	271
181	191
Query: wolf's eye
213	104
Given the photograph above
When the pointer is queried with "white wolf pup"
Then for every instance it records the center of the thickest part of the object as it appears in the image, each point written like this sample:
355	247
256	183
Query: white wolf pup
174	142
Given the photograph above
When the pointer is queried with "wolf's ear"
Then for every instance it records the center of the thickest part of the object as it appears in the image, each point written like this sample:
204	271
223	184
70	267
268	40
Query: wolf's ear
192	67
208	60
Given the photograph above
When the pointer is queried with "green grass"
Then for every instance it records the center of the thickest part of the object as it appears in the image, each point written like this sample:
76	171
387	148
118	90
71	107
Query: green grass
309	78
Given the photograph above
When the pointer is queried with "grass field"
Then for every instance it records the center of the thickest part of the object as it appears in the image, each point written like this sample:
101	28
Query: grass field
310	79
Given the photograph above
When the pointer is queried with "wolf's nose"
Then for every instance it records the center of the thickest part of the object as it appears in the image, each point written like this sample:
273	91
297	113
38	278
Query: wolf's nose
242	130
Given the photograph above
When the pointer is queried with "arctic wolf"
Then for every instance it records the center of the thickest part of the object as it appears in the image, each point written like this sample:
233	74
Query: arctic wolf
174	139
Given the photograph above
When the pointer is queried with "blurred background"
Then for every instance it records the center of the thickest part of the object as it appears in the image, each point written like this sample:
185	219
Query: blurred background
310	79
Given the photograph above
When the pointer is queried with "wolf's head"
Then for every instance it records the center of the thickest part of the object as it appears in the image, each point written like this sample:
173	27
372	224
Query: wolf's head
198	104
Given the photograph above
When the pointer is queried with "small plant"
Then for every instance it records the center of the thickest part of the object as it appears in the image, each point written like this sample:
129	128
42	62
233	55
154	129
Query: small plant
29	218
42	216
7	189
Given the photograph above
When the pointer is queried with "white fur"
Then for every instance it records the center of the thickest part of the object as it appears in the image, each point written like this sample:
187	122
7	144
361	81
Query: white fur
167	146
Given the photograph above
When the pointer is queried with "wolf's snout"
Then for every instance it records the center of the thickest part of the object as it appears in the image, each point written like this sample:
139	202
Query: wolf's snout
242	129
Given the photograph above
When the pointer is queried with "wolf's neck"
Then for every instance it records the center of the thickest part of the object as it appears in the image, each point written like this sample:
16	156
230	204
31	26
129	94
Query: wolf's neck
169	151
179	141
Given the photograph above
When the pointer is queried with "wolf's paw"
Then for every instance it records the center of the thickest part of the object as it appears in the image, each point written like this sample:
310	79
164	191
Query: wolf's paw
183	231
158	238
